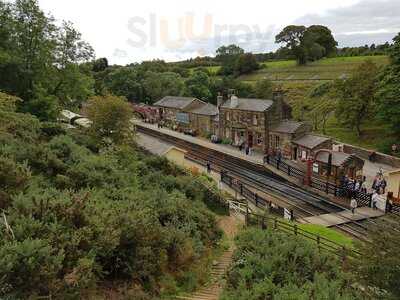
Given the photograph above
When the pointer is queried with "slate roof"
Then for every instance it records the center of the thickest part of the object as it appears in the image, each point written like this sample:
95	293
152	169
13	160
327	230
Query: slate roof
174	102
338	158
258	105
287	126
311	141
206	110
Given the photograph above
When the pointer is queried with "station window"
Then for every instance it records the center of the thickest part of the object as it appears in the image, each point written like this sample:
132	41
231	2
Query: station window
277	141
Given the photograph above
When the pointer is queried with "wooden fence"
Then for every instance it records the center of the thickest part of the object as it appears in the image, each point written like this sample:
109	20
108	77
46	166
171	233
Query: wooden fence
287	227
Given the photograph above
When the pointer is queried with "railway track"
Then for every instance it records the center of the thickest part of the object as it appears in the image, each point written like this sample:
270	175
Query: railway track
304	203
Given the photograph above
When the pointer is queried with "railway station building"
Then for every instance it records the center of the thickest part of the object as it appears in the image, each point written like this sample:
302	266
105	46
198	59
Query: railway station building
249	121
187	113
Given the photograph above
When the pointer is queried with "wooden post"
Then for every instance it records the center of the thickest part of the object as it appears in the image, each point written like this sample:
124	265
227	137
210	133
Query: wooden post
247	213
319	242
288	170
295	229
256	198
241	189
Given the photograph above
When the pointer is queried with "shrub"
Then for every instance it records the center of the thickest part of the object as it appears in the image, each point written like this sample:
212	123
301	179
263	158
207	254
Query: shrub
271	265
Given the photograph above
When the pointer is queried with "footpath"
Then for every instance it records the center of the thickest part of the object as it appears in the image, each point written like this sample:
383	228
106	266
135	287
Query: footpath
230	226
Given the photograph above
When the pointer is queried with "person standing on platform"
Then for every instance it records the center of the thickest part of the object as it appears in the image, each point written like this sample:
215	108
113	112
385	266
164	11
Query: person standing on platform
375	197
208	167
353	205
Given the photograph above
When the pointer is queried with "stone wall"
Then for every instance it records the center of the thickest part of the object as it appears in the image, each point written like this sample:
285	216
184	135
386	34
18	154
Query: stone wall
365	153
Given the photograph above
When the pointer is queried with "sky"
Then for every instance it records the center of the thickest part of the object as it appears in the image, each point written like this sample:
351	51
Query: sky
128	31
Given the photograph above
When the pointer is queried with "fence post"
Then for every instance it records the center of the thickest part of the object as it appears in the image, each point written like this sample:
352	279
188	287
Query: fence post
278	162
319	242
288	170
247	214
275	223
241	188
295	229
256	198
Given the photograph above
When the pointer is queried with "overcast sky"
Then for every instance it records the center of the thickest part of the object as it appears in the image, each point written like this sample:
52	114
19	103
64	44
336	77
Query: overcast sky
133	31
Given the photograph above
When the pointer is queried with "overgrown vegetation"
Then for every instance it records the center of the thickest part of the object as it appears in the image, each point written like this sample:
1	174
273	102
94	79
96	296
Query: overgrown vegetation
272	265
76	220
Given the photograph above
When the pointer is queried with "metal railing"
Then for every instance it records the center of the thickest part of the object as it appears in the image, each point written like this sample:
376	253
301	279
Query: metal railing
363	199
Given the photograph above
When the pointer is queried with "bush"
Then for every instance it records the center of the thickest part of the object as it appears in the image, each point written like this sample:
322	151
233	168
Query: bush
271	265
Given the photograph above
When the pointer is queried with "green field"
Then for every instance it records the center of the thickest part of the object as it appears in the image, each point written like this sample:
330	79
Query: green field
324	69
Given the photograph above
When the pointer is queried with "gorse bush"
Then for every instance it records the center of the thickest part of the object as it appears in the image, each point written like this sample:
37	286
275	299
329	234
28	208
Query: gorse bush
272	265
78	218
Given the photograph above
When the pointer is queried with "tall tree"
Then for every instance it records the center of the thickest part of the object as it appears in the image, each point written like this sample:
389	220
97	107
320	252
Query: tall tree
305	44
356	96
158	85
198	85
125	81
111	119
323	37
389	90
263	89
246	63
228	56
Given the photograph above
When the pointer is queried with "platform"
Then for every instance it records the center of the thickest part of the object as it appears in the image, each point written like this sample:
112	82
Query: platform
255	157
343	217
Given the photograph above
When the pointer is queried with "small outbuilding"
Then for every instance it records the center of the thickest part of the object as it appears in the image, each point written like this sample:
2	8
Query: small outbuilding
283	133
333	164
306	146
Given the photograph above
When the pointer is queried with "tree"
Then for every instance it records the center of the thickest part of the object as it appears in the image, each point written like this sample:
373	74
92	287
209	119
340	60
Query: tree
227	51
321	104
305	44
323	37
246	63
228	56
356	96
291	35
111	117
198	85
158	85
263	89
378	265
126	82
389	90
41	59
70	85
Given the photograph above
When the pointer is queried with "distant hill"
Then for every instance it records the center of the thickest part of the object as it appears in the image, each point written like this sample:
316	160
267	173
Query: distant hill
322	70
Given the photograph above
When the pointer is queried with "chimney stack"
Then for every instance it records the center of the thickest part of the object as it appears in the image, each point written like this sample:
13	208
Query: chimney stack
220	100
277	94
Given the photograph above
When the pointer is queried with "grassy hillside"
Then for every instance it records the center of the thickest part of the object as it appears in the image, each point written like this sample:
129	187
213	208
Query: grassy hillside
325	69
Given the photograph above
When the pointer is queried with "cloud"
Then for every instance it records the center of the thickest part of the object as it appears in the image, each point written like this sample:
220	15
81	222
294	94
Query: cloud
366	22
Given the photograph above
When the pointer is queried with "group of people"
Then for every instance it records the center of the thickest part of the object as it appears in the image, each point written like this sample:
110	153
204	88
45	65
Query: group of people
379	184
247	149
378	190
352	186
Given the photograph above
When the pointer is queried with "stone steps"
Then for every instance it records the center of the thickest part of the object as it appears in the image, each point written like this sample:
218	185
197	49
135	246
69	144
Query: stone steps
212	291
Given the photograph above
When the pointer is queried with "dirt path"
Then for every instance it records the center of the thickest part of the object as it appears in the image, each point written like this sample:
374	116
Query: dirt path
230	225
